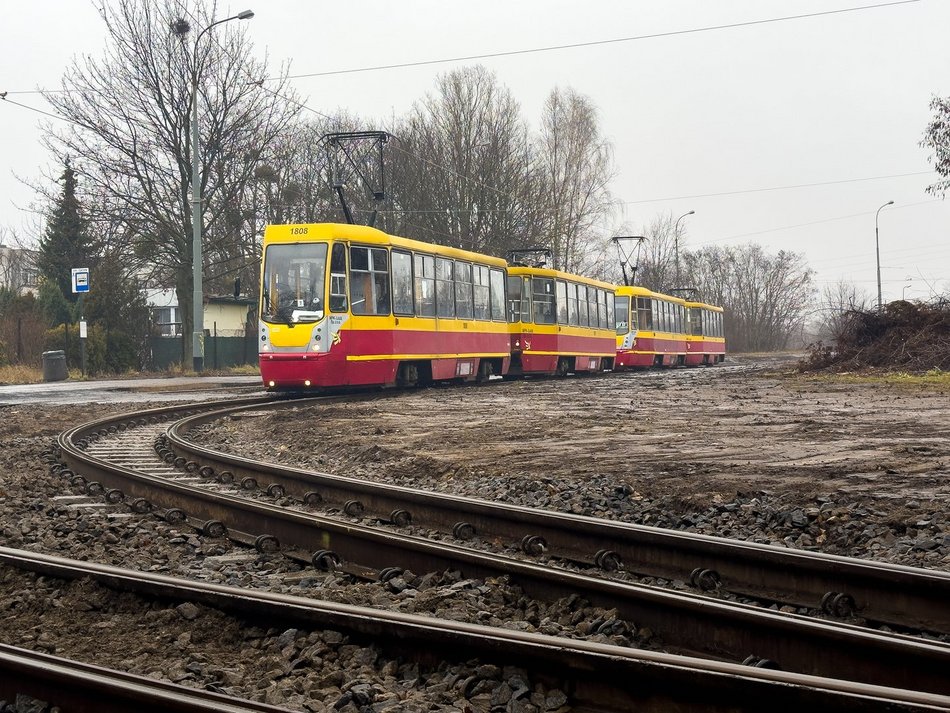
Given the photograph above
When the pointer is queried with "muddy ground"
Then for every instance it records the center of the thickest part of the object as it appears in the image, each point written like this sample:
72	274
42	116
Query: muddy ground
857	469
749	449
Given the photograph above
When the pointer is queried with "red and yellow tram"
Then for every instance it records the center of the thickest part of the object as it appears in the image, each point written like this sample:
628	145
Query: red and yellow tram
705	343
559	323
345	305
651	328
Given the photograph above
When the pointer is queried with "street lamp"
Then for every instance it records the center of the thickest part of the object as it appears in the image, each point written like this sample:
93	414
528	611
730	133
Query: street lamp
877	250
676	244
904	293
181	28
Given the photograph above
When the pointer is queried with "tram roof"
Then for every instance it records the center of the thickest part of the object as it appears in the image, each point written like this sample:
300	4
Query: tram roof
369	236
559	275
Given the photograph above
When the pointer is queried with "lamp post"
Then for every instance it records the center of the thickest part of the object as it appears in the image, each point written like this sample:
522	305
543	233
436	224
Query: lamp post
877	250
676	244
181	28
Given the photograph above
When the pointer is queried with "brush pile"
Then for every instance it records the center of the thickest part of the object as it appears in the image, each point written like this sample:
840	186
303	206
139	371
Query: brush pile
904	336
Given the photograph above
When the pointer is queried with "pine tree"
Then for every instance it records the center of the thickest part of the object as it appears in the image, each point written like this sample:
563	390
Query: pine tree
66	243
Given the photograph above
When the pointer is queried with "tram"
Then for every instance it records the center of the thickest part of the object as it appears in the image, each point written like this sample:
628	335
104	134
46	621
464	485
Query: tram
559	323
705	343
651	328
349	305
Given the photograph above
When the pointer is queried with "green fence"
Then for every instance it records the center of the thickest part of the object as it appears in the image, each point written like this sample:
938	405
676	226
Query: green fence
220	352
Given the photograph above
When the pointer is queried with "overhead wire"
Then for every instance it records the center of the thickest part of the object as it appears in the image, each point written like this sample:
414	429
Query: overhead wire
594	43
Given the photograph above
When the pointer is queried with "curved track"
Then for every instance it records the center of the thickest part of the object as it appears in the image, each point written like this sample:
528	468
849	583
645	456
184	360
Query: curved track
125	459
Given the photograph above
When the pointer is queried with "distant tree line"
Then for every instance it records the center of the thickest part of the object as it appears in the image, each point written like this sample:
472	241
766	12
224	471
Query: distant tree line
464	167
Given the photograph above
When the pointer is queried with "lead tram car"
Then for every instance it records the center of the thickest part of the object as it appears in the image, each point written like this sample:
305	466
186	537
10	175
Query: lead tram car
384	311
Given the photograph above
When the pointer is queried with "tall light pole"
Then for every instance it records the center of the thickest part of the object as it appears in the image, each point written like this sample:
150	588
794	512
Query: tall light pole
877	250
181	28
676	244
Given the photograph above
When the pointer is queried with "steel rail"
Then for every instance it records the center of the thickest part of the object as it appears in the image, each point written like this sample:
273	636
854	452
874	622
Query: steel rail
880	592
600	677
685	622
85	688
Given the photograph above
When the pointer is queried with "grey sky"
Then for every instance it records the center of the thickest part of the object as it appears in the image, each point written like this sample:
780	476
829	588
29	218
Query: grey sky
822	99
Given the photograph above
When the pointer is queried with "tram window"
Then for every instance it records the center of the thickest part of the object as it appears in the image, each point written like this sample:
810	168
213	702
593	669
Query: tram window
338	278
602	309
610	309
644	313
424	283
582	307
294	282
513	294
444	288
402	282
622	308
369	281
464	306
561	301
572	316
497	282
542	297
481	291
696	321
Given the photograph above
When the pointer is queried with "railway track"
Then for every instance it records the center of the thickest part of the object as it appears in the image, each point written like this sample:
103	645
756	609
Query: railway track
125	460
601	677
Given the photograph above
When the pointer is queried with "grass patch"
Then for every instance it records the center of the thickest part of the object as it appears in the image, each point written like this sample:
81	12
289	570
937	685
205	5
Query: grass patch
20	375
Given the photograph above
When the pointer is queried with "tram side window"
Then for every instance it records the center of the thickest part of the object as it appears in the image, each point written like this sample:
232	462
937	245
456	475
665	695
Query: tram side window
610	309
496	279
481	292
572	316
402	282
696	321
561	301
444	288
338	278
542	296
719	332
583	313
424	287
622	306
644	313
464	306
369	280
602	309
513	293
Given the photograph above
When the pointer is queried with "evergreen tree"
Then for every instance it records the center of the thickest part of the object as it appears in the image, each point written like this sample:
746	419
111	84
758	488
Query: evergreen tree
66	243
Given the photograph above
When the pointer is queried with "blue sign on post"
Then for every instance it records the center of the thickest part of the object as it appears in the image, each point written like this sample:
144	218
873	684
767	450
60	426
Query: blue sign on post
80	279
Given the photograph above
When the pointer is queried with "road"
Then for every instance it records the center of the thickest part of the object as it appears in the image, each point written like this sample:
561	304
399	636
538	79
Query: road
182	388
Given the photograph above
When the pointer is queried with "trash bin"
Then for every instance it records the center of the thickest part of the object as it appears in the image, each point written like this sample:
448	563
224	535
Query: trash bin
54	365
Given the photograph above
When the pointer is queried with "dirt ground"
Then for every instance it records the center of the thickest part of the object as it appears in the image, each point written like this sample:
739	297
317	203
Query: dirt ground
678	448
701	435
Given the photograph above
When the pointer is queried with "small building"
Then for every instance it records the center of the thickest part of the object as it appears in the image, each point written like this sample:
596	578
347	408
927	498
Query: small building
18	271
230	332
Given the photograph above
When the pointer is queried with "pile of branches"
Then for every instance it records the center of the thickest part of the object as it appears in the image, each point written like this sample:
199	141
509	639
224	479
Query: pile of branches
904	336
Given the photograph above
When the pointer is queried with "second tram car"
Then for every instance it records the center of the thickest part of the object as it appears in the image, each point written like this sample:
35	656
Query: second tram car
559	323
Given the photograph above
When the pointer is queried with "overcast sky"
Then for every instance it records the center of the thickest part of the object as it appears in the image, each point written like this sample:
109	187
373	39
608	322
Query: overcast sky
750	113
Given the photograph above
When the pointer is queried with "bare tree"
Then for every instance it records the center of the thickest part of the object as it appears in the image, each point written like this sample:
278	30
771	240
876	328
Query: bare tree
129	136
460	166
937	139
835	302
575	166
765	296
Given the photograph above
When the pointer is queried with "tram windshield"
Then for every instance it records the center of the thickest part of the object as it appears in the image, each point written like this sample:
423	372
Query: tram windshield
294	282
